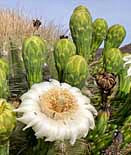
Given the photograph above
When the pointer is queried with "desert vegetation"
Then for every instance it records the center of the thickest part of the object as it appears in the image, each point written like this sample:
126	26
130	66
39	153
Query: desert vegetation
66	100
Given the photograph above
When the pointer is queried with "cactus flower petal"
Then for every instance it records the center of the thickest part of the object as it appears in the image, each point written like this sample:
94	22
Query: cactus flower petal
59	111
127	60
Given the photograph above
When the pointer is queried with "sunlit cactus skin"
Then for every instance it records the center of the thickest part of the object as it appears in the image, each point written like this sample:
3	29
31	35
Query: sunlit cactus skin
115	37
81	30
76	71
7	119
113	61
33	51
4	71
100	28
64	49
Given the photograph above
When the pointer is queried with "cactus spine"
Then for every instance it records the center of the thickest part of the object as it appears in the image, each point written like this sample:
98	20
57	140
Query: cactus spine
76	71
33	51
100	28
4	71
64	49
81	30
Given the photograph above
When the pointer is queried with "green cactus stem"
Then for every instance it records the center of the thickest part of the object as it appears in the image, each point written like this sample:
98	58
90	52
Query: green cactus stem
81	30
76	71
113	62
115	37
33	51
124	83
64	49
4	148
17	81
7	124
4	71
100	28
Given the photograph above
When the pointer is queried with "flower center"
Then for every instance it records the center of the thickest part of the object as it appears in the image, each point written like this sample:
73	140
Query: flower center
57	102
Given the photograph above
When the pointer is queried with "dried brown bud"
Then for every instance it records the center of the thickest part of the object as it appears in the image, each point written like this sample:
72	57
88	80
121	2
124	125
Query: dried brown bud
106	81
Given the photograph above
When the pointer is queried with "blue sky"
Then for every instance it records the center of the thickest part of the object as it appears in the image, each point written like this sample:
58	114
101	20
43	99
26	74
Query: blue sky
114	11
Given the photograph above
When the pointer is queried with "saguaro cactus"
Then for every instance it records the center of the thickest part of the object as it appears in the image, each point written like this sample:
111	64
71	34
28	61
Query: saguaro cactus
76	71
100	28
7	124
81	30
33	55
115	36
4	71
64	49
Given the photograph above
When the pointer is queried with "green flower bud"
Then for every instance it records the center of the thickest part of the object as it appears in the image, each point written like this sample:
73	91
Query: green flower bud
33	51
100	28
113	61
7	120
64	49
115	37
81	30
76	71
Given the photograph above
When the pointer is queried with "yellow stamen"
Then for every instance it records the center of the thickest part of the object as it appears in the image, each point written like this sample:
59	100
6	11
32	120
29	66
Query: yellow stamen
57	102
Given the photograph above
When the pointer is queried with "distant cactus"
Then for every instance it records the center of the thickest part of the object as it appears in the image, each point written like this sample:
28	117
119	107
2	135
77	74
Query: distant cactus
100	28
113	61
81	30
33	51
76	71
115	36
64	49
4	71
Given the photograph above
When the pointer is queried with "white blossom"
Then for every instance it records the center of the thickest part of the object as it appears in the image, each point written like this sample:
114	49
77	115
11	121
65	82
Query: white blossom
57	111
127	60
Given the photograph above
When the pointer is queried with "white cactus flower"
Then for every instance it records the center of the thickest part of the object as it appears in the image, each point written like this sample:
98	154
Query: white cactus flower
127	60
57	111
